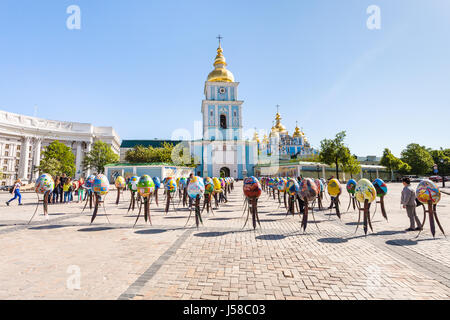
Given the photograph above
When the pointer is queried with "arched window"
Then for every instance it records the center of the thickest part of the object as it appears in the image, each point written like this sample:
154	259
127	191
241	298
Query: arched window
223	121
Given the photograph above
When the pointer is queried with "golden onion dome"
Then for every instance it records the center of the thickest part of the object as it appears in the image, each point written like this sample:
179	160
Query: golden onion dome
256	137
220	73
297	132
265	139
278	126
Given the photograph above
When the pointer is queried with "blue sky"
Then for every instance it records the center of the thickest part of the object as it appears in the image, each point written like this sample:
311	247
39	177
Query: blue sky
140	66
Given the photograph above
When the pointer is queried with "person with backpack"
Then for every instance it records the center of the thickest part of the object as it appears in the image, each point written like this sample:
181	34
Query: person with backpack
16	191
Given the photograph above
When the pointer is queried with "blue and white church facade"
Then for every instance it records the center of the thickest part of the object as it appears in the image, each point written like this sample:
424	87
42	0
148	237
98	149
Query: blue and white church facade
222	151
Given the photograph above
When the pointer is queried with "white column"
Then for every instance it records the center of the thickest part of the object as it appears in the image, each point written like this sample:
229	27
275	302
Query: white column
377	174
37	157
323	173
78	160
24	156
244	167
205	159
88	149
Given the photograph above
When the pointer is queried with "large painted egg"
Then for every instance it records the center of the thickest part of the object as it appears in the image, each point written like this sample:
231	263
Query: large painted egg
75	185
281	185
252	187
209	186
183	182
222	183
157	182
133	182
365	191
351	186
44	183
308	190
167	180
89	183
101	185
292	187
319	185
196	187
81	181
171	185
426	191
120	182
271	183
380	187
334	187
217	185
145	186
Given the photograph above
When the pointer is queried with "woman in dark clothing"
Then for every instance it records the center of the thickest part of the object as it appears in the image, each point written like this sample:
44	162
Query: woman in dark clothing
56	191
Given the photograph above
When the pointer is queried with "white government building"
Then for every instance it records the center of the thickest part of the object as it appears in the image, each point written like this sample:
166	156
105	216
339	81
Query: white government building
22	138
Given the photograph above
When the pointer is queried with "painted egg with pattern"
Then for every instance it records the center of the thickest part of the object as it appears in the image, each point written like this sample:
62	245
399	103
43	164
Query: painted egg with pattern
120	182
183	182
292	187
217	184
209	186
89	183
365	191
171	185
133	182
157	182
380	187
145	186
101	185
44	183
196	187
308	190
351	186
426	191
281	185
334	187
252	187
319	185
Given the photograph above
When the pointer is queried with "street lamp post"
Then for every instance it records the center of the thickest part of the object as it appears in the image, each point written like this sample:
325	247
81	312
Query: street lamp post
318	176
442	173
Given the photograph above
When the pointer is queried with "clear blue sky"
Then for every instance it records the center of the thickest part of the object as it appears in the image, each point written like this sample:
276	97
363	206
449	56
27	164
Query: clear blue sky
140	66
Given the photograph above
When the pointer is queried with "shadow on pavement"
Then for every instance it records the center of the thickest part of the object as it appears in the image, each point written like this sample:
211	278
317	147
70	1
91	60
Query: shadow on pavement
271	237
150	231
95	229
402	242
333	240
46	227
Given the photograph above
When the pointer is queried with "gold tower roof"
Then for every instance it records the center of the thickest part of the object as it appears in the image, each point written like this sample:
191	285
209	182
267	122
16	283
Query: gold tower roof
279	126
220	73
256	137
297	132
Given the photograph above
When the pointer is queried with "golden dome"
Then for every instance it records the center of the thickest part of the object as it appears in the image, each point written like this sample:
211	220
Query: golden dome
265	139
297	132
220	73
256	137
278	126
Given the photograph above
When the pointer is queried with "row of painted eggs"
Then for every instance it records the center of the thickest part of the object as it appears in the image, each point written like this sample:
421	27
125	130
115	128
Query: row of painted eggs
98	184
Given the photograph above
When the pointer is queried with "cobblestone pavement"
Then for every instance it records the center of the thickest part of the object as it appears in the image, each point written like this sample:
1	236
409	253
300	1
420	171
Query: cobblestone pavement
220	260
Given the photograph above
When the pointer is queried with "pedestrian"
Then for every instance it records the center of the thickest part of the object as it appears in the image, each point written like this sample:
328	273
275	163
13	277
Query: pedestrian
16	191
66	188
408	201
55	192
63	180
80	193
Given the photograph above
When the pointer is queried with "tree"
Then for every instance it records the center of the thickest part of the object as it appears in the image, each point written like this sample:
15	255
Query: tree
50	166
444	155
418	158
168	153
352	166
392	163
333	151
100	155
65	160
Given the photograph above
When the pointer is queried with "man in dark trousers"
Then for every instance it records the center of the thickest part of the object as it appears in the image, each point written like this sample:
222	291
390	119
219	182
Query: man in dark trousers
408	201
62	182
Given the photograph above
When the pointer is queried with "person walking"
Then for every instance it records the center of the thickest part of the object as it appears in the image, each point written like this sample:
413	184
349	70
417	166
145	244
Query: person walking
63	180
66	188
16	191
408	200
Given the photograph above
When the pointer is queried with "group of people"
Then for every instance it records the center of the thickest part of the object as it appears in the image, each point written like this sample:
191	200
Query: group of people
62	192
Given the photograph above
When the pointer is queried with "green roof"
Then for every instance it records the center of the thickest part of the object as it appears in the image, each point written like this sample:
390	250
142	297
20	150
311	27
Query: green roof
147	143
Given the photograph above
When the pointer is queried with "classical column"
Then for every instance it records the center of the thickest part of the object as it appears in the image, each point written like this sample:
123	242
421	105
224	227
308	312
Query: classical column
88	149
205	159
36	157
24	156
244	165
78	160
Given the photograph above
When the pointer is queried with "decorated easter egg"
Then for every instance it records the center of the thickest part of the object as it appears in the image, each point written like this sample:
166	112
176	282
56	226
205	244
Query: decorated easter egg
81	181
222	183
351	186
365	191
145	186
75	185
89	183
101	185
182	183
217	184
281	185
308	190
44	183
292	187
271	183
167	180
334	187
133	182
196	187
171	185
209	186
252	187
380	187
319	185
157	182
120	182
428	191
